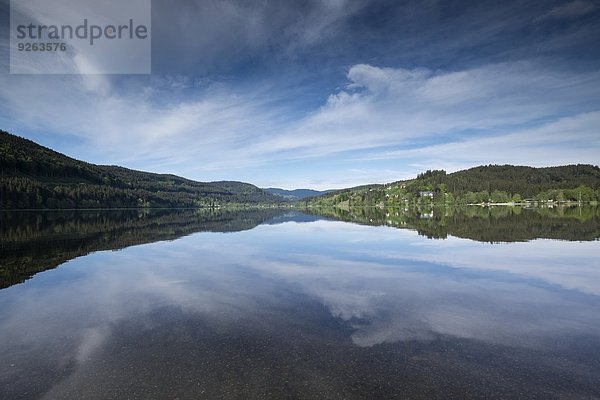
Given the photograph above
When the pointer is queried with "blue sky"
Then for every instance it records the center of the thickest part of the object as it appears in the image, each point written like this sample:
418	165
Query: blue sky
330	93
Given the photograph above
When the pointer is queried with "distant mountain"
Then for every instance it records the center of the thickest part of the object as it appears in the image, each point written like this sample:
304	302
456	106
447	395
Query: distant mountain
297	194
33	176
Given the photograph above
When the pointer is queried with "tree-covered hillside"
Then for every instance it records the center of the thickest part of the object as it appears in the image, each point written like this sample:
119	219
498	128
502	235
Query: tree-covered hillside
484	184
527	181
33	176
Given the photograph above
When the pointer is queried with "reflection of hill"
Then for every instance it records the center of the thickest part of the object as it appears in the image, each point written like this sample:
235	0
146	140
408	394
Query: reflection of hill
31	242
496	224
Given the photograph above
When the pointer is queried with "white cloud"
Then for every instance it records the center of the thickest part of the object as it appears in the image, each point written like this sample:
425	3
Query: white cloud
132	128
157	125
571	9
569	140
385	107
213	35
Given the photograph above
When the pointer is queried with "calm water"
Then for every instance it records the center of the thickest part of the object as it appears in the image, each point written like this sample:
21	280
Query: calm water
278	304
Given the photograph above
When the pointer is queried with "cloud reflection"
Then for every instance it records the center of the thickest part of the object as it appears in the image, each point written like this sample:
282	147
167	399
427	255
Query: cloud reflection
379	285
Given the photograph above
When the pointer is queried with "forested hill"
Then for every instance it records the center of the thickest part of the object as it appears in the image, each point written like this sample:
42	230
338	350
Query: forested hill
527	181
484	184
33	176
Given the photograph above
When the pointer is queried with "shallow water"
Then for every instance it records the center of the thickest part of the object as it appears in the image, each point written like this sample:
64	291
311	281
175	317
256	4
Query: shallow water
278	304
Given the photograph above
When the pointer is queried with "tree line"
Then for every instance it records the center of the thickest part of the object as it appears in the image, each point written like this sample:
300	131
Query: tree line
486	184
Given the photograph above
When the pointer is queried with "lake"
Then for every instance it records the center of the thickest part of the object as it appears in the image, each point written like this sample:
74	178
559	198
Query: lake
331	304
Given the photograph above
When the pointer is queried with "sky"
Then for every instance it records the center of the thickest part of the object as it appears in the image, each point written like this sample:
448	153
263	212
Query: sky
328	94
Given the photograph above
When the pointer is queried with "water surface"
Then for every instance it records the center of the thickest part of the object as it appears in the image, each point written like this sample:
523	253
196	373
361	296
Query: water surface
279	304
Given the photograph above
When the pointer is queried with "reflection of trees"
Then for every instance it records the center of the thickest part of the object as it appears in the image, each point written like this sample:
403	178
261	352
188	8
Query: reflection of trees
485	224
31	242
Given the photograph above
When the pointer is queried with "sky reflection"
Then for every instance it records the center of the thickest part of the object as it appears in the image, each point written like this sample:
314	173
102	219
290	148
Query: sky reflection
366	286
